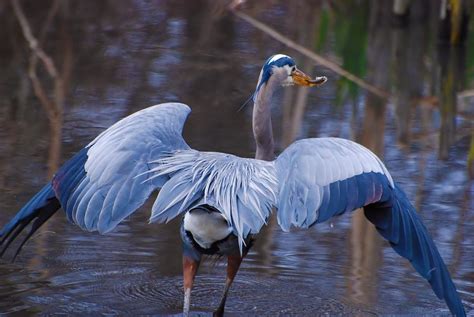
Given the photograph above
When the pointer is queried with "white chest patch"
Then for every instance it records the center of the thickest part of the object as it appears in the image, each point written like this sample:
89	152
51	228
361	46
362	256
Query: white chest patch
206	227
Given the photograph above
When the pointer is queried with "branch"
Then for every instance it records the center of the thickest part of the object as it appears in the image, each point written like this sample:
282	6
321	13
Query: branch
32	42
53	106
317	58
48	105
466	93
52	109
49	19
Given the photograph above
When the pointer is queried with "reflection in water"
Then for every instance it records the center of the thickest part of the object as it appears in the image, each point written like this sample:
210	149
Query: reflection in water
451	63
117	58
54	105
365	241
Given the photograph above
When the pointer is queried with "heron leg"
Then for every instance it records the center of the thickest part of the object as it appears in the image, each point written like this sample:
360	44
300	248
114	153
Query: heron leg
190	267
233	264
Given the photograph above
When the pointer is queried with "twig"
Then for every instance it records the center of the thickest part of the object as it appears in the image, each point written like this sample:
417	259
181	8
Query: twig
32	42
466	93
317	58
52	109
52	106
49	19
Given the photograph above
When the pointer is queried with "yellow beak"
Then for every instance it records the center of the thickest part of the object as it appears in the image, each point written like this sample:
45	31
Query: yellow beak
302	79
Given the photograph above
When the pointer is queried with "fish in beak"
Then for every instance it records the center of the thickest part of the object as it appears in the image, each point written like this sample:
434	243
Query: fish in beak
301	79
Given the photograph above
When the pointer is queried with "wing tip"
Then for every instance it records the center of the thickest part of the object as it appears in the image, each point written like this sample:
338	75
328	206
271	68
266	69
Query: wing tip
428	262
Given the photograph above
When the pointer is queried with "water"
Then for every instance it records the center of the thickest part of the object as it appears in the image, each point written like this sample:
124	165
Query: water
118	58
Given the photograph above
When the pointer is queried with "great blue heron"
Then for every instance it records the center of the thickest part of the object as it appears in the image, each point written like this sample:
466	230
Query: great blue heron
226	199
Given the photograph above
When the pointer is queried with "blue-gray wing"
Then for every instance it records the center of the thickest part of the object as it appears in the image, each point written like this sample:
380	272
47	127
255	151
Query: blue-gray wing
324	177
105	182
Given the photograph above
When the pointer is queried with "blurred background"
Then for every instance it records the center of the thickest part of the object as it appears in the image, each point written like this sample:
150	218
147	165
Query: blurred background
69	69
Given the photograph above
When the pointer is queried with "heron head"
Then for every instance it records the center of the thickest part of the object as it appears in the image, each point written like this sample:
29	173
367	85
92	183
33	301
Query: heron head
283	69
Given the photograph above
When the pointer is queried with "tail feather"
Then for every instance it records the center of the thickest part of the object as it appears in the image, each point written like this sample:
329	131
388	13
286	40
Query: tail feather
398	222
37	211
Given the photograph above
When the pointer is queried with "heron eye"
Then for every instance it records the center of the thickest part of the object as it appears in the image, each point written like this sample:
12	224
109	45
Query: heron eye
293	69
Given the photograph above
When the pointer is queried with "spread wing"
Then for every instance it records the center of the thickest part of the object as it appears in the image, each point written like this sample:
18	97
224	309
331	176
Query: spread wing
321	178
324	177
105	182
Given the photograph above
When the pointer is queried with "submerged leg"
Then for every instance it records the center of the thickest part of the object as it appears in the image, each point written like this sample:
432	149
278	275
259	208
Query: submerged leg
190	267
233	264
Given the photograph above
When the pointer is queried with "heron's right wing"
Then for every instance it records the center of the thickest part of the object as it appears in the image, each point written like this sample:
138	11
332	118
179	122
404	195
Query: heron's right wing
105	182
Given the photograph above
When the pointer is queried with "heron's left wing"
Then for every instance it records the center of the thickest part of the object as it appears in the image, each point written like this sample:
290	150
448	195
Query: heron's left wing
323	177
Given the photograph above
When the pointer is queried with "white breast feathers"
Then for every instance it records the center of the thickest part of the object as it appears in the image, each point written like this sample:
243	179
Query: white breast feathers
206	227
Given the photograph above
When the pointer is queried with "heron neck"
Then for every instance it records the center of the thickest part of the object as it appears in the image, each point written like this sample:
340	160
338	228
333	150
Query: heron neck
262	122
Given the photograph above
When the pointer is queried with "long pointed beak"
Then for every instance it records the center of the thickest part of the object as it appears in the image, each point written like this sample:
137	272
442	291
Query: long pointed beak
302	79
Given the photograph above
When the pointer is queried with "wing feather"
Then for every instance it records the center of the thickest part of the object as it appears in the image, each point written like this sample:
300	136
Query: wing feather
242	189
91	216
